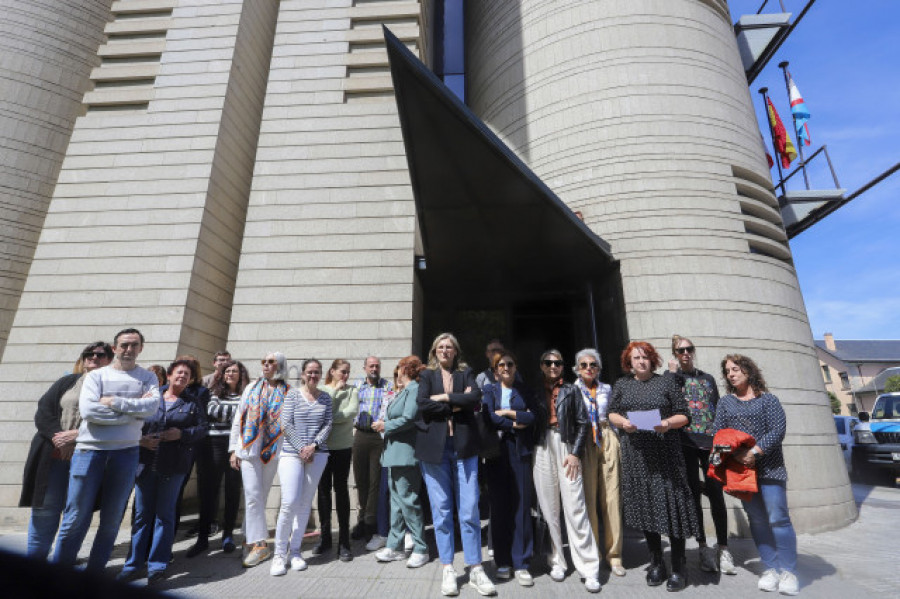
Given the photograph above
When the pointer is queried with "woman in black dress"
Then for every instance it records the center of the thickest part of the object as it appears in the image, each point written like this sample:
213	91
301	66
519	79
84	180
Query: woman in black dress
655	491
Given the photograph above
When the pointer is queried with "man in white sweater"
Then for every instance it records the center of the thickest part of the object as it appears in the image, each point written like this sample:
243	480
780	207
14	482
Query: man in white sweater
114	401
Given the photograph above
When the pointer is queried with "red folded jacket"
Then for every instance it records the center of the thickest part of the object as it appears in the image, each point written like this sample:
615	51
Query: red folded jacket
737	480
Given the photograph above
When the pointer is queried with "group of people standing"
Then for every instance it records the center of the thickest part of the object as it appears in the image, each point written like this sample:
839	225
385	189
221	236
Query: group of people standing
591	456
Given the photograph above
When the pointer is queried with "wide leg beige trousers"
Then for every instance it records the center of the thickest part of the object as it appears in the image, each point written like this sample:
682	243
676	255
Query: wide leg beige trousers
555	492
602	494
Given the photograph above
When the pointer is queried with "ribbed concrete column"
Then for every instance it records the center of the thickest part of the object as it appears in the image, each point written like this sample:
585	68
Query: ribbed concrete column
146	222
47	51
637	113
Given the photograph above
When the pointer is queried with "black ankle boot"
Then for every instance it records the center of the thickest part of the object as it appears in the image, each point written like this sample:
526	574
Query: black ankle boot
324	544
201	545
358	531
678	580
657	573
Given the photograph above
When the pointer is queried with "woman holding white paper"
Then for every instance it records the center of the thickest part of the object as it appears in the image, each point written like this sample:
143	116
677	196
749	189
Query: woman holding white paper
655	492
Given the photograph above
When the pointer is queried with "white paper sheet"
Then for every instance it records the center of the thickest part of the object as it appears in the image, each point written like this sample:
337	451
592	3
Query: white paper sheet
645	420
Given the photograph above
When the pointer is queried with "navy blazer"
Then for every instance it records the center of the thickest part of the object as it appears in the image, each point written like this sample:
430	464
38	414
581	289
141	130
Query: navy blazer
524	403
186	413
431	424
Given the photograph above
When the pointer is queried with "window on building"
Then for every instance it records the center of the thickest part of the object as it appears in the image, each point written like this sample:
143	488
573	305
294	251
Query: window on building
845	380
826	372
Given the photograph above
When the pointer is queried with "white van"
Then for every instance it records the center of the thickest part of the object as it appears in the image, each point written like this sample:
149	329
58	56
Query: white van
845	426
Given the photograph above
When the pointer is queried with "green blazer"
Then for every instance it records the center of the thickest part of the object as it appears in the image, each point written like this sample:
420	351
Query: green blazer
400	429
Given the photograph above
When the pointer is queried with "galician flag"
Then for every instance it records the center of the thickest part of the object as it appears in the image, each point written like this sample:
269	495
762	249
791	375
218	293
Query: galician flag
799	110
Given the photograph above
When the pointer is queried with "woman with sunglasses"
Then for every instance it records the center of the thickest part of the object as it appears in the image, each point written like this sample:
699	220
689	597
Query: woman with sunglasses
168	442
255	446
601	460
225	395
702	395
447	445
655	493
511	407
306	421
563	429
345	405
46	481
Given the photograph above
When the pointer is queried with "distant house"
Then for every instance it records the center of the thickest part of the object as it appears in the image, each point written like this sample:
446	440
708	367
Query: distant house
855	370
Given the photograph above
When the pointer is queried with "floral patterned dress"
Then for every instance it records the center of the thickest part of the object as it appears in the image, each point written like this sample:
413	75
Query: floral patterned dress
655	492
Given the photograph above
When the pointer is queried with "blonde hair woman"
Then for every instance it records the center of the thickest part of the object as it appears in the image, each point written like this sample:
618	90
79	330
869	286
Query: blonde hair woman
447	445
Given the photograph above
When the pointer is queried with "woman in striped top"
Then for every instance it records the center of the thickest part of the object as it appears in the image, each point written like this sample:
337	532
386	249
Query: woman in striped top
225	396
306	423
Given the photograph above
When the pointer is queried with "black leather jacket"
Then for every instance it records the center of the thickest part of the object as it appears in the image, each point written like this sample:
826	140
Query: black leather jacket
571	416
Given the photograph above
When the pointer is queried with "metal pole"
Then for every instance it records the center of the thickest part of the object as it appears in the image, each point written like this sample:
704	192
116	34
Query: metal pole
837	185
784	66
590	298
777	156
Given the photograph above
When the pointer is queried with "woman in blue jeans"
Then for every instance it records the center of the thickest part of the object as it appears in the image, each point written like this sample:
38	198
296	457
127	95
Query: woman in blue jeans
167	452
46	480
749	407
447	445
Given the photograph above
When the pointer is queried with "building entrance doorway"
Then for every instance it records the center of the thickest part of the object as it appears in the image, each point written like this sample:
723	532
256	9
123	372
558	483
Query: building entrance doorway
500	255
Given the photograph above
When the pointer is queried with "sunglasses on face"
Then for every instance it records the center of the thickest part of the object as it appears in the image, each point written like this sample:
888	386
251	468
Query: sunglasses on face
549	363
591	365
269	362
685	350
506	364
93	355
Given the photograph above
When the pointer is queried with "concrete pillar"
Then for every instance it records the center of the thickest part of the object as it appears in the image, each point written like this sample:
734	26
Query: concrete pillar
47	51
637	113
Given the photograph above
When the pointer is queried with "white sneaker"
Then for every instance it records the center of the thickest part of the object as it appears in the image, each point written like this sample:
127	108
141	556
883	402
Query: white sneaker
278	567
524	578
592	585
504	572
417	560
376	542
708	559
408	544
389	555
726	562
448	582
558	573
478	580
298	563
768	581
788	583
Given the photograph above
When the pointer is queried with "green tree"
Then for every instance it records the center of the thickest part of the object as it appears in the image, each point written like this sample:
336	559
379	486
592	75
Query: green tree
835	403
892	384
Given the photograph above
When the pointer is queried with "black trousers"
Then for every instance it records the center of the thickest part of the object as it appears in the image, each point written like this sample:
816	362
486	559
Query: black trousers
694	457
213	461
335	476
511	494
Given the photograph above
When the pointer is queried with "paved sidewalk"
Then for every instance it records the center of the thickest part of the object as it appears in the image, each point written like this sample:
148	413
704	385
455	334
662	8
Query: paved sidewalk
857	561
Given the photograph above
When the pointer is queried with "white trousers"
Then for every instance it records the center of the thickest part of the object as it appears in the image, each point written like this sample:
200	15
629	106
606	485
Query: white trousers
299	481
557	493
257	478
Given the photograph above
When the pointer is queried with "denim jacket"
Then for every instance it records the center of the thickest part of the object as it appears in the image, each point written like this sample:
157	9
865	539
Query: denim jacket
187	414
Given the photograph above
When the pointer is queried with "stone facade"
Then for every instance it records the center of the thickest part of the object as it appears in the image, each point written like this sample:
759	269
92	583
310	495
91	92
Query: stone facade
238	178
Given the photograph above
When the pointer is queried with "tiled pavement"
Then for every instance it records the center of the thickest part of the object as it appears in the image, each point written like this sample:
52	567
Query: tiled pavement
857	561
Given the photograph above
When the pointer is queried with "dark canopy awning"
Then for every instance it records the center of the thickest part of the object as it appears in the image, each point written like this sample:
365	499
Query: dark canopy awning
492	230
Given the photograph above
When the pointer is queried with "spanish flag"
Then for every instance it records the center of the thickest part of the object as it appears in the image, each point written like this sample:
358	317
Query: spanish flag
783	144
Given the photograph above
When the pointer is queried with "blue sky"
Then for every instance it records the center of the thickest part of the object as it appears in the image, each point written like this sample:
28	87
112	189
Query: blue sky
846	64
